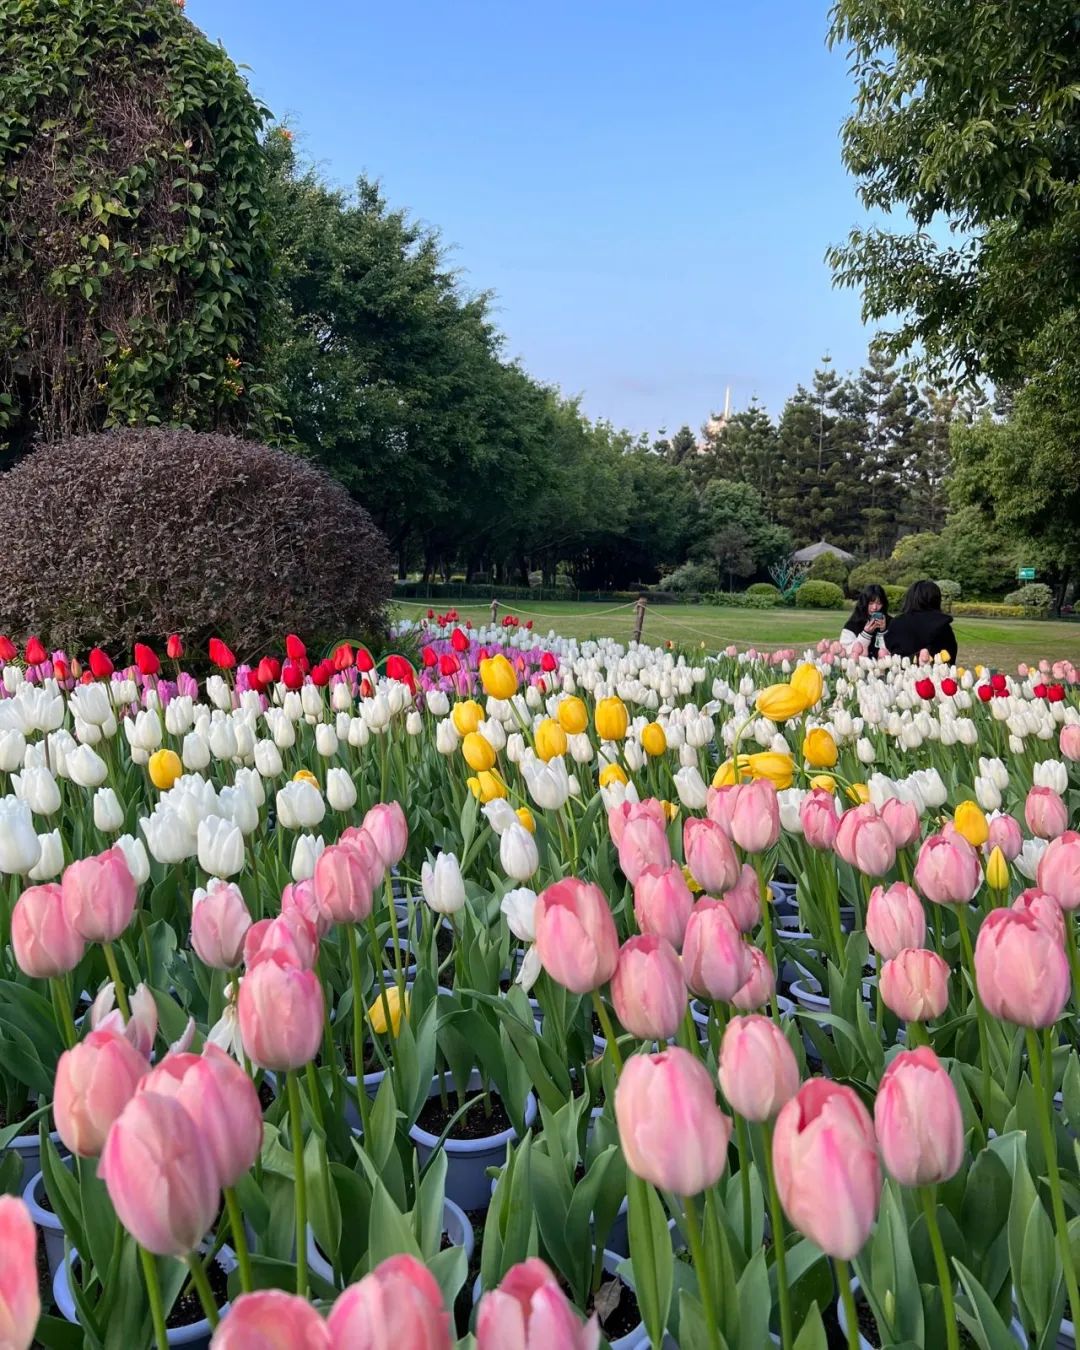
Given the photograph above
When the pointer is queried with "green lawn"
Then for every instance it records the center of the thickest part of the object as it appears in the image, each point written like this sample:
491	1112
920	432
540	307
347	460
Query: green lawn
990	641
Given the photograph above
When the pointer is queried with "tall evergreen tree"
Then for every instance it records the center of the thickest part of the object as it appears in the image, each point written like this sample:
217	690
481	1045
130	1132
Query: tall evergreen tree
743	449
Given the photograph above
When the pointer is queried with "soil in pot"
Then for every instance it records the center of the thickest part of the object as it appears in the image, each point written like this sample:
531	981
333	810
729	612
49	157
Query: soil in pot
869	1331
188	1309
44	1274
476	1123
463	1305
616	1304
266	1095
444	942
372	1062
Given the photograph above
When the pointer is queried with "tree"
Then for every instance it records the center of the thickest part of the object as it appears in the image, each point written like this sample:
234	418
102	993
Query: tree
730	509
742	449
682	446
733	554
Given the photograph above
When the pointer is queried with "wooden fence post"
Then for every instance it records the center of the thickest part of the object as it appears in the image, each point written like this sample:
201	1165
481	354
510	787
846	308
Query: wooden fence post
639	617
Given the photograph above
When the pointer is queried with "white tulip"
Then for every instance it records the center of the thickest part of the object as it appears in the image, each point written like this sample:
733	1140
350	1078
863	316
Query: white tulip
414	724
123	693
691	788
437	702
87	734
519	908
51	862
995	770
300	806
44	706
143	731
864	750
443	888
790	800
108	813
220	847
359	733
86	767
580	747
20	847
531	970
167	835
268	759
548	784
38	789
518	853
306	853
500	815
13	678
281	729
240	807
340	789
376	712
326	741
12	749
311	700
1051	773
1028	859
987	794
90	703
493	733
195	752
446	738
341	698
222	739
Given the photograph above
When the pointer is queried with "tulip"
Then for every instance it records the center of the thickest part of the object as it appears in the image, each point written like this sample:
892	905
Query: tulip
307	851
611	719
518	853
550	739
1059	870
759	986
529	1311
20	1302
44	943
548	784
340	789
38	788
653	740
716	961
160	1176
95	1080
662	903
466	716
271	1320
108	813
219	921
648	989
519	908
386	824
290	936
864	841
1045	910
498	677
895	919
139	1028
691	788
997	870
970	822
673	1133
947	870
576	939
778	702
1069	742
819	749
134	852
99	895
478	752
342	882
643	843
1021	970
300	806
398	1304
819	820
710	855
389	1005
1046	814
902	819
86	768
755	816
485	786
918	1121
825	1158
281	1014
758	1070
1004	833
618	817
743	901
220	847
442	884
573	715
12	749
915	984
300	897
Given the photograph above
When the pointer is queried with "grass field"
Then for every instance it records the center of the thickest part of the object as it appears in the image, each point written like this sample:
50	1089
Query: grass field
993	642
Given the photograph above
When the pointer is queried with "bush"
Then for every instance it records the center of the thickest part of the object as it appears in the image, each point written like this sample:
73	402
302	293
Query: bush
829	568
741	600
819	595
950	591
1035	595
692	577
990	611
129	535
895	596
866	574
766	591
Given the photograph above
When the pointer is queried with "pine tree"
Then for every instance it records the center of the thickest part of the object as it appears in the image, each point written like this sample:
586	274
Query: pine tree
743	450
888	415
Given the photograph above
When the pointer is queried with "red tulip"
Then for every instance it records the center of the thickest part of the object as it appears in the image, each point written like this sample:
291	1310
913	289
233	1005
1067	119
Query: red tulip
174	647
924	688
268	671
459	641
364	660
100	665
343	657
294	648
146	659
430	657
998	683
221	655
448	664
949	686
985	692
397	668
35	652
1056	693
321	673
291	674
548	662
8	650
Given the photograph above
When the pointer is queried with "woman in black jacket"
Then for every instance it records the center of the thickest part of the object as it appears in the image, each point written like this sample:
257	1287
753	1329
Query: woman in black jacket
921	626
868	621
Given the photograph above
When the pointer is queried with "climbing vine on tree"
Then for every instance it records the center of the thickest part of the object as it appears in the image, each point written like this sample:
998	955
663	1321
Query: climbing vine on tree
133	258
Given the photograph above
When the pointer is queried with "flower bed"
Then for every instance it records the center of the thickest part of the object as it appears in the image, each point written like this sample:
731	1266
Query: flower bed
714	996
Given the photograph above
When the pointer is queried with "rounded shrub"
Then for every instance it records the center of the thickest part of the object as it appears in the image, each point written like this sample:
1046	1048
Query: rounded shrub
873	573
765	590
895	596
1035	595
950	590
828	567
819	595
134	534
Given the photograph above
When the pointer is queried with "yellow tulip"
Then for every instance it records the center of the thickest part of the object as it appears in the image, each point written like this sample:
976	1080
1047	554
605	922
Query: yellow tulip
164	768
398	1006
997	870
550	739
859	792
305	776
612	719
653	740
779	769
689	879
808	683
611	773
670	809
486	786
466	716
970	821
824	782
573	715
498	677
778	702
478	751
527	818
725	774
819	749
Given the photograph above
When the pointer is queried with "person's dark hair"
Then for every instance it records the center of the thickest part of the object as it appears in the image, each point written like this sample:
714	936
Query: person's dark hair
861	612
921	596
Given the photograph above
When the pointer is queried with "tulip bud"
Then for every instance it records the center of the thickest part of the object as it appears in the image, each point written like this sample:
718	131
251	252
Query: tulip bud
99	896
1046	813
917	1118
819	820
716	961
340	789
20	1302
529	1311
864	841
442	884
755	817
386	824
398	1304
743	901
643	843
710	855
518	854
894	920
43	942
915	985
281	1014
662	903
648	990
1021	970
760	984
947	870
220	847
271	1318
343	882
1003	832
94	1082
758	1071
219	921
576	938
1059	870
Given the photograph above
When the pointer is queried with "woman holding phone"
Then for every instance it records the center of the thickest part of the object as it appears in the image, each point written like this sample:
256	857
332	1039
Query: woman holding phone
868	621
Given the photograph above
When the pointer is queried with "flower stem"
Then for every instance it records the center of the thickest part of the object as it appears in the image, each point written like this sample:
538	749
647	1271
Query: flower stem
609	1030
843	1279
239	1237
743	1139
202	1288
118	983
928	1197
153	1292
63	1012
697	1253
358	1031
296	1120
980	1012
776	1215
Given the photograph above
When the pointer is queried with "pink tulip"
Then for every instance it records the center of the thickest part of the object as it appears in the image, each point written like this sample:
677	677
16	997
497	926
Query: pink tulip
1021	970
343	882
947	870
290	934
755	819
894	920
576	939
825	1158
1059	869
43	941
95	1080
271	1320
915	984
385	823
864	841
644	843
662	903
529	1311
1045	910
902	818
720	805
743	901
672	1132
1069	742
398	1305
219	920
817	814
1046	814
221	1100
299	897
20	1303
917	1118
648	989
358	838
99	896
160	1175
716	960
758	1070
710	855
1004	833
760	984
619	816
281	1014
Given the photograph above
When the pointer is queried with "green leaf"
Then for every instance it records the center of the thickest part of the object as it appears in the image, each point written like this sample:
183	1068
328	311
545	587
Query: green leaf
984	1321
651	1255
755	1303
812	1332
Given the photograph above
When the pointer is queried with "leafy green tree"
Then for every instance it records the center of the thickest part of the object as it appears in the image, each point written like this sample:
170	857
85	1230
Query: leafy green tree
682	446
742	449
731	508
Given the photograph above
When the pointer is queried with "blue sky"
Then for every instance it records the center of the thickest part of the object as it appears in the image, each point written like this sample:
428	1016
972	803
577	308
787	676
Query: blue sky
647	187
